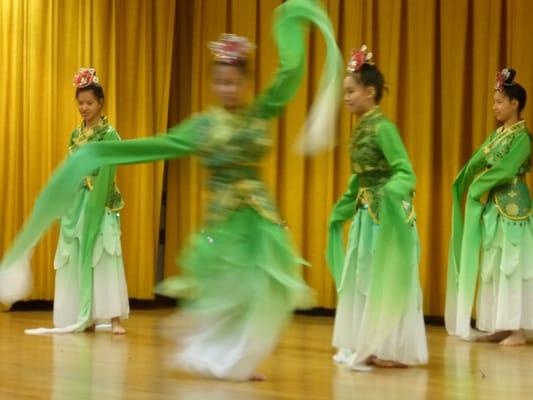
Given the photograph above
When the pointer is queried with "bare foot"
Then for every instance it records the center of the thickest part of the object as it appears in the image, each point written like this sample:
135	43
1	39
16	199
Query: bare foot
516	338
493	337
378	362
370	360
257	378
364	366
116	328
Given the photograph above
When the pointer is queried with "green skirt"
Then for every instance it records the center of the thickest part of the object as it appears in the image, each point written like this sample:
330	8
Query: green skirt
242	281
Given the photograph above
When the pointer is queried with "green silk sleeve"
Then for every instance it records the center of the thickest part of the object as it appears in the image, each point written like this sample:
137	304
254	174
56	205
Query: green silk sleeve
96	203
461	183
403	180
291	20
463	180
343	210
57	195
94	213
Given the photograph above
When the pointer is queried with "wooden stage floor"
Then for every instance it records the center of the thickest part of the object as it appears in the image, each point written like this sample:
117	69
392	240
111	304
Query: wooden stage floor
99	366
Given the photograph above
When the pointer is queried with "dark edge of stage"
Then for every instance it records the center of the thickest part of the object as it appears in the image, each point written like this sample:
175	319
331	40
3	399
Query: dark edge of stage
160	302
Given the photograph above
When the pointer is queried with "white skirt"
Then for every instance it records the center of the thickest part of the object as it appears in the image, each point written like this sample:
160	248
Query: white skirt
231	342
407	342
505	294
110	292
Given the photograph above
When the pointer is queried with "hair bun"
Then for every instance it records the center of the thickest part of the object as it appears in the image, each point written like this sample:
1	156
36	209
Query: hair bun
510	79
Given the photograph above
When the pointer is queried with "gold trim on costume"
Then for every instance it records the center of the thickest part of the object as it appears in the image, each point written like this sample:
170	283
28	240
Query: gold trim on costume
365	197
503	133
506	213
89	183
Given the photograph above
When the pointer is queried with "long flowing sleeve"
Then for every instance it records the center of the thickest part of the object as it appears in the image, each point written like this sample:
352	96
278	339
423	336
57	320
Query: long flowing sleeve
292	19
395	256
469	242
58	194
459	187
343	210
94	213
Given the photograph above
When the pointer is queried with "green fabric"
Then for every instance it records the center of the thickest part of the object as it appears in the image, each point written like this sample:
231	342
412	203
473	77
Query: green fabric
291	19
461	183
231	148
483	173
60	191
343	211
245	244
500	142
100	132
244	280
98	198
392	272
88	205
369	163
366	156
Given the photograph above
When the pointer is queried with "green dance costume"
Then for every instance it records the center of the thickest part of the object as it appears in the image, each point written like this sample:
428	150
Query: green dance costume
379	310
492	244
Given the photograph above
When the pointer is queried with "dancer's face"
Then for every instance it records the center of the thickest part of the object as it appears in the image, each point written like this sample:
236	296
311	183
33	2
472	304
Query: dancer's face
358	98
504	108
89	106
229	85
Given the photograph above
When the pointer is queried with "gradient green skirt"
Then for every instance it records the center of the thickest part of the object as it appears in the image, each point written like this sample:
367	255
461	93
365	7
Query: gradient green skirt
505	288
406	341
243	281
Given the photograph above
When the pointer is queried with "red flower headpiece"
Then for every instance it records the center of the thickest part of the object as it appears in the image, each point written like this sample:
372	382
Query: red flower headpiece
501	79
358	58
230	48
85	77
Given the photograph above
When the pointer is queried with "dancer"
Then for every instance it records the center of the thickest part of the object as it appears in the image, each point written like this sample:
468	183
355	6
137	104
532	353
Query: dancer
379	320
501	230
90	285
92	289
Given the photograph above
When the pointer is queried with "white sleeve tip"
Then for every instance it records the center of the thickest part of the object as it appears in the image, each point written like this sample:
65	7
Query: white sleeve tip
16	280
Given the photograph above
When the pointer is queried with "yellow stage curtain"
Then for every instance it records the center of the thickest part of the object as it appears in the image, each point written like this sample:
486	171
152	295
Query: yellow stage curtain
439	59
42	44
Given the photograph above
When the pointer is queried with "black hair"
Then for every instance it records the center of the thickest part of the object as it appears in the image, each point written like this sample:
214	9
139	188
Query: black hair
515	91
241	65
97	90
370	75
